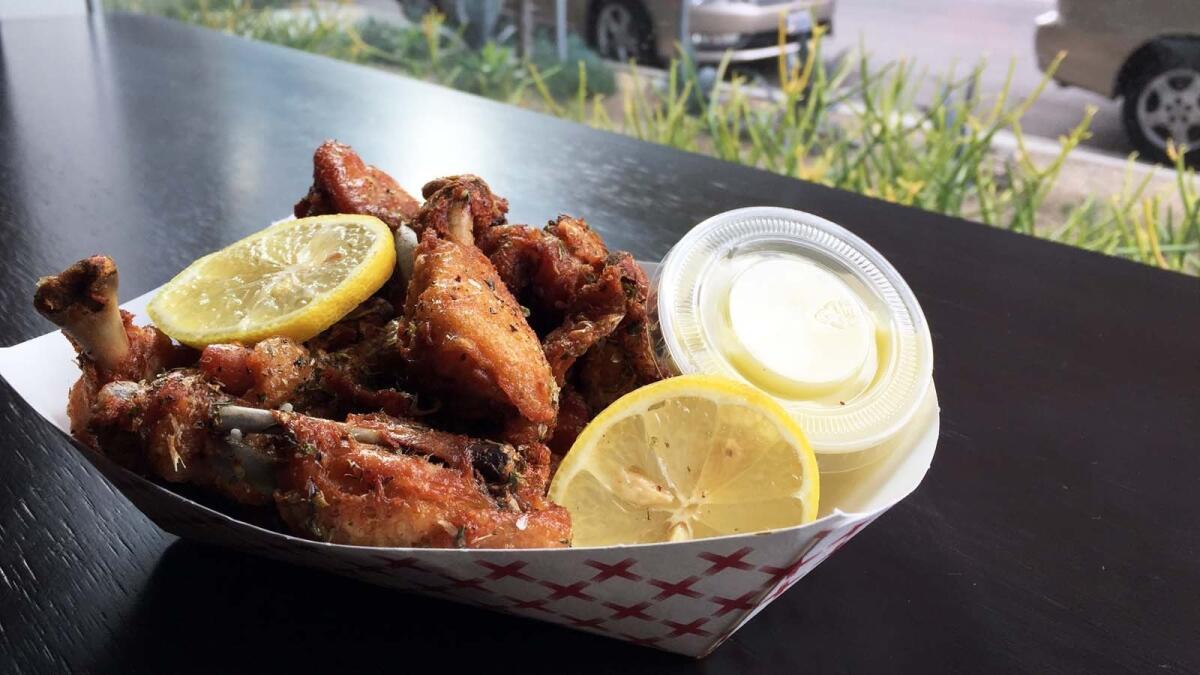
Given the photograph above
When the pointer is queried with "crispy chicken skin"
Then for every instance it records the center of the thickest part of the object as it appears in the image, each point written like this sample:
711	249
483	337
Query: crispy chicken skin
539	267
493	461
595	312
465	335
573	415
267	375
581	241
363	327
460	208
633	334
343	183
279	371
624	360
590	304
343	491
164	427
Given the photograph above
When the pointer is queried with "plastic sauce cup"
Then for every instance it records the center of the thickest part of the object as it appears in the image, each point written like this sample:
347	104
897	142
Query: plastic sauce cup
806	311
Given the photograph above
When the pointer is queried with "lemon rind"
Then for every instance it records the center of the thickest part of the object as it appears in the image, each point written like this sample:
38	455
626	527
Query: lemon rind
302	323
707	386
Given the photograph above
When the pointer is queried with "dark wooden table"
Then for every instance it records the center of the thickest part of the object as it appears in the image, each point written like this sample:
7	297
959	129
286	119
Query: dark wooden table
1058	530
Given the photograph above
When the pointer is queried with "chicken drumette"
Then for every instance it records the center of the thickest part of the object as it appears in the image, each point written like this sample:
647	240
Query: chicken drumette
82	301
466	337
343	183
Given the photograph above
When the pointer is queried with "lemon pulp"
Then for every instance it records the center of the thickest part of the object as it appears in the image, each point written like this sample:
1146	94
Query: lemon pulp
687	458
295	279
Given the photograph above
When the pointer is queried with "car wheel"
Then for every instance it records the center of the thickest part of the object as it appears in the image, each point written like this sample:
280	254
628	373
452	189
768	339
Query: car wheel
621	30
1162	104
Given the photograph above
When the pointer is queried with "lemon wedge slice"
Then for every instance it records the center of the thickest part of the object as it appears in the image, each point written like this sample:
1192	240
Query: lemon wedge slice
687	458
295	279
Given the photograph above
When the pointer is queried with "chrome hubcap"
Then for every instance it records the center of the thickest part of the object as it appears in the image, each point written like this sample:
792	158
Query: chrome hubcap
1168	109
615	35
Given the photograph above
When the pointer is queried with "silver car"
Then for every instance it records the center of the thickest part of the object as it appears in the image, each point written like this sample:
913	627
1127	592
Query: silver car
650	31
1146	52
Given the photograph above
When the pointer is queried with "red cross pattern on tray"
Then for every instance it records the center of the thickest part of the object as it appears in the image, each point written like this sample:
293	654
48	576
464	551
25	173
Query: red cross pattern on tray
683	587
512	569
560	591
686	599
707	598
743	603
723	562
620	569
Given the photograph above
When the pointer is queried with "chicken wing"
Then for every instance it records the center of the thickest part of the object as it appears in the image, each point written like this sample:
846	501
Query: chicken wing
340	490
595	311
164	427
538	268
459	208
278	371
82	301
242	420
590	303
466	338
343	183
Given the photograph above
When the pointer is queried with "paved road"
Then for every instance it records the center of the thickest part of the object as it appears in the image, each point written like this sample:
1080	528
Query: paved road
937	33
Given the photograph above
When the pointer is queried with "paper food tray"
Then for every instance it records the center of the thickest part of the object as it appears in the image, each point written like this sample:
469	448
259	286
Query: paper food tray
685	597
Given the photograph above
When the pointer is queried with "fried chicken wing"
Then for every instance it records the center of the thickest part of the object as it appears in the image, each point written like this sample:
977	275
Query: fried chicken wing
574	413
624	360
592	304
164	427
278	371
539	268
596	310
344	491
581	241
466	338
82	301
459	208
365	325
268	375
343	183
633	335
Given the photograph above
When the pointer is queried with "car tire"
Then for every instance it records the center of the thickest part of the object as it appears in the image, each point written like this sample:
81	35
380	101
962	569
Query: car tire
1162	102
621	30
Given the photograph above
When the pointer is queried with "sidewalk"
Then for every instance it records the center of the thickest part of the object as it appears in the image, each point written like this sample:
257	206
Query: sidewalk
1085	174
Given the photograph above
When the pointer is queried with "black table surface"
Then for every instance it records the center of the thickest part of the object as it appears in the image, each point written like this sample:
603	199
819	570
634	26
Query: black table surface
1057	531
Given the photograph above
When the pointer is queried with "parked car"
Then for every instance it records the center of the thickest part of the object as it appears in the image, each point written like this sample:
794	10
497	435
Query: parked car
648	31
1146	53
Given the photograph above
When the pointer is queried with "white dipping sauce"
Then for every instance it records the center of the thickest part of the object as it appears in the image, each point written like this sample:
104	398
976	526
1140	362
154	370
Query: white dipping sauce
806	311
803	327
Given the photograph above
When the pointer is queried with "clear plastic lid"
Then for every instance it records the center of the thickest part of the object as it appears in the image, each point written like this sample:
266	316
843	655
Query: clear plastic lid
805	310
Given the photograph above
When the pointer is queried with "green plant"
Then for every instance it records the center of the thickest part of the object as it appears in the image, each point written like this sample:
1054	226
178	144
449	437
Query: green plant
868	135
581	67
846	124
493	71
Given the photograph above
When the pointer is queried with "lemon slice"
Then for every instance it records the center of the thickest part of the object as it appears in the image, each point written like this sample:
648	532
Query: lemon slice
295	279
687	458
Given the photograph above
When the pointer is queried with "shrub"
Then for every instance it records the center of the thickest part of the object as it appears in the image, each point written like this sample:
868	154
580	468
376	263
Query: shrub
864	133
563	80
